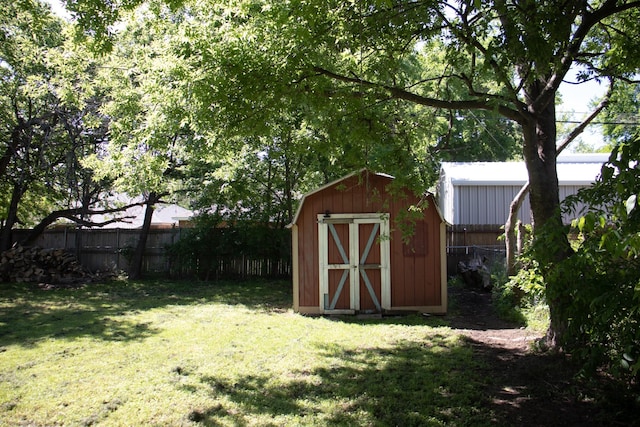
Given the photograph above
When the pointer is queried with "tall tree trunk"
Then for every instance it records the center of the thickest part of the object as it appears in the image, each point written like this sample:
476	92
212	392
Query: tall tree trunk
12	217
516	203
540	158
135	267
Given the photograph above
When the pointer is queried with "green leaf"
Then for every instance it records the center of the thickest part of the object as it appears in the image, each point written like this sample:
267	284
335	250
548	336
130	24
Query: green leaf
587	223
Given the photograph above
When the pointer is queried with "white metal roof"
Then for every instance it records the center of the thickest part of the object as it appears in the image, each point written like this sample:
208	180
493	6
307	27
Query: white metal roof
583	158
579	169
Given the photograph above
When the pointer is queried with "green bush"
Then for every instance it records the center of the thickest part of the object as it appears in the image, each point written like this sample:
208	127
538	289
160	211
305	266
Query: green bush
209	250
601	280
517	298
520	298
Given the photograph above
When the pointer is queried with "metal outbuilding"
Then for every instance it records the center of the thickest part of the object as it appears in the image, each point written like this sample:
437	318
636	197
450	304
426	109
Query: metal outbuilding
479	193
349	255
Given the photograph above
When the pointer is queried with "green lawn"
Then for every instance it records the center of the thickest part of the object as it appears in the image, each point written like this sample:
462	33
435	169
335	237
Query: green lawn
164	353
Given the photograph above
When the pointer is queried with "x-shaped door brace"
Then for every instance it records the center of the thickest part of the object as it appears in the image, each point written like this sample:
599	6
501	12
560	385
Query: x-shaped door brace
361	267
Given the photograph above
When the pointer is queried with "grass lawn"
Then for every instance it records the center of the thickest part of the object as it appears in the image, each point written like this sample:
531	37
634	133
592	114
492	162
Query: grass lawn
218	354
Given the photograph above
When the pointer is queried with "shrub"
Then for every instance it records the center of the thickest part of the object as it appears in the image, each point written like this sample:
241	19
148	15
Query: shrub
517	298
602	278
212	249
602	282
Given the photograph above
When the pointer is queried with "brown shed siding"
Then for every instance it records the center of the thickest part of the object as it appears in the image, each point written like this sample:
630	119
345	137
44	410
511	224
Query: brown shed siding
349	196
416	275
416	278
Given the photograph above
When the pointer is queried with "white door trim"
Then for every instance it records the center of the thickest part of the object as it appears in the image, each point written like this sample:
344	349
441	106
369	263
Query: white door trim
354	263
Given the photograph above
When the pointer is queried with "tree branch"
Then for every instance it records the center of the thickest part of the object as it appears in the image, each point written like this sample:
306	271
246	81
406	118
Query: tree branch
399	93
590	19
72	214
581	127
473	42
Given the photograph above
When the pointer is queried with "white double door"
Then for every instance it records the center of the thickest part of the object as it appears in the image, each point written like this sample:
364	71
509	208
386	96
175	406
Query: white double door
354	263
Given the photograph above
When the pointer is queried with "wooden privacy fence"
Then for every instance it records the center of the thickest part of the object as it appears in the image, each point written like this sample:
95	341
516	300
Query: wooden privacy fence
111	250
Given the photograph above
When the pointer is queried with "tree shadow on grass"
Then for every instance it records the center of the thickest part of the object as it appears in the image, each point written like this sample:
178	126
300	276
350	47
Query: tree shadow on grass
544	389
409	384
438	382
29	313
27	323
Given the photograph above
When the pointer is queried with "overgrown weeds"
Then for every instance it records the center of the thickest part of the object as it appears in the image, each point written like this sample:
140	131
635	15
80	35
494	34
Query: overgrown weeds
520	299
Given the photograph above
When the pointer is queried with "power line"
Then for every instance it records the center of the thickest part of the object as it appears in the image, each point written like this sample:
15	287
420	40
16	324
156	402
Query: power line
600	123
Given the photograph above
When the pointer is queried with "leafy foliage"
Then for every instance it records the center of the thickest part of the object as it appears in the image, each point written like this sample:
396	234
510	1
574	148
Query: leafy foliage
252	79
624	110
32	135
213	241
602	278
45	128
521	297
149	132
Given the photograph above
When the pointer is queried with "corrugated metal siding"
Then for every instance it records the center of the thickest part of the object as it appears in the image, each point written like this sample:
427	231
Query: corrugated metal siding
466	197
484	204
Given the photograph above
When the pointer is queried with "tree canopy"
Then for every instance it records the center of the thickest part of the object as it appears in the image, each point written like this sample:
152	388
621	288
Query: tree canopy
44	130
388	81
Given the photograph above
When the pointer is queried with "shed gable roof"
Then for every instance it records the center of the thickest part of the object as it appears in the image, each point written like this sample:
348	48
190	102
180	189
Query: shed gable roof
338	181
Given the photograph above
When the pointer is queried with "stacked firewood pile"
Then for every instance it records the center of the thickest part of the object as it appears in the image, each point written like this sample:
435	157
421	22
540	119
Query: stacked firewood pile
33	264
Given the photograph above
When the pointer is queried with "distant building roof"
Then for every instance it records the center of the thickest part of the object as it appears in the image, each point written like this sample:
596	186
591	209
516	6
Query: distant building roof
480	192
164	215
573	169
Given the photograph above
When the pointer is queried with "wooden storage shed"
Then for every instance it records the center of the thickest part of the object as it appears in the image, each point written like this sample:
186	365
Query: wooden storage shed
349	255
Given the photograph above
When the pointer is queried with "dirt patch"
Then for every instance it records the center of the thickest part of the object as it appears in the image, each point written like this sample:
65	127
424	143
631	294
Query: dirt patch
473	314
529	388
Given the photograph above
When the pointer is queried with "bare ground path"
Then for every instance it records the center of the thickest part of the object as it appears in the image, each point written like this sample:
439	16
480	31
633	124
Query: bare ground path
528	388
